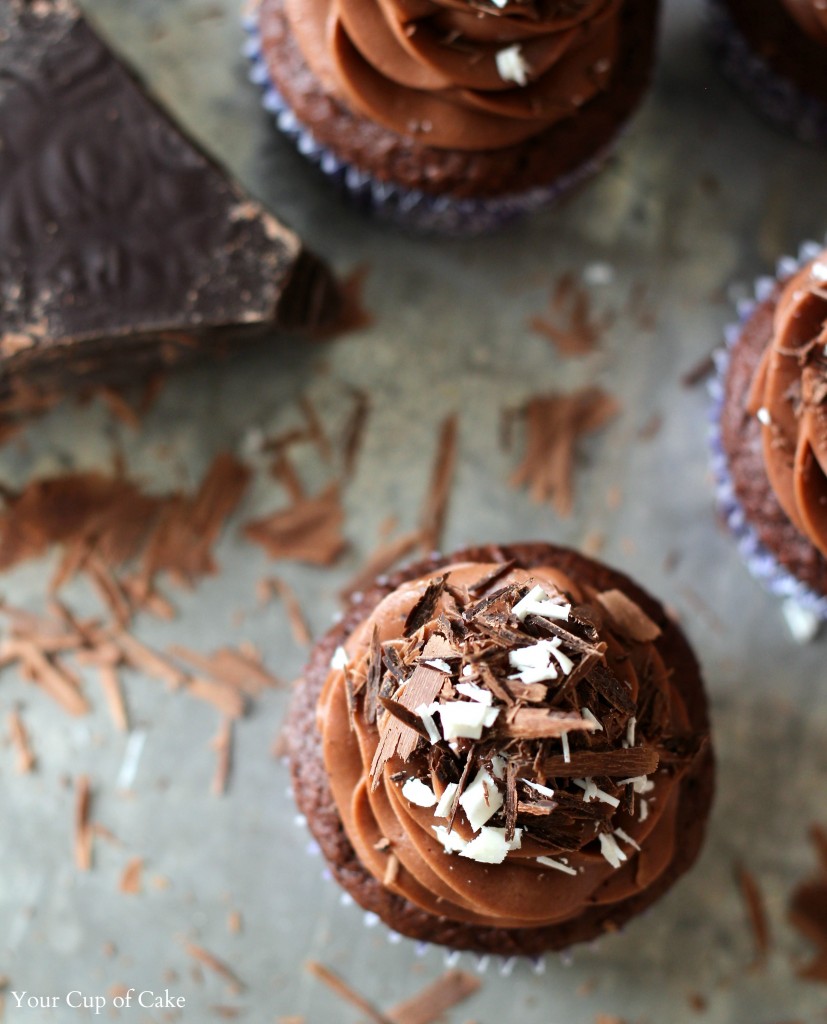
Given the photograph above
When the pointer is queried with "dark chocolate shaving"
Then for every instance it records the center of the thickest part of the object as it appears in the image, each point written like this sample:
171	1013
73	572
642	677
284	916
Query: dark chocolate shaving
490	578
538	723
627	763
373	677
611	689
408	718
423	610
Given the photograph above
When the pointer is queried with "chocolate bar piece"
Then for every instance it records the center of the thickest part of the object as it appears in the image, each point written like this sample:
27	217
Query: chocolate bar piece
123	246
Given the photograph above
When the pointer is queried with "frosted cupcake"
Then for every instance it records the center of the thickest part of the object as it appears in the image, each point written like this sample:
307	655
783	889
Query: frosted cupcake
505	750
453	115
771	431
775	51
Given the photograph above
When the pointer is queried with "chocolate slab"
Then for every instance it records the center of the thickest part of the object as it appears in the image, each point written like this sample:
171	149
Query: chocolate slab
122	244
315	800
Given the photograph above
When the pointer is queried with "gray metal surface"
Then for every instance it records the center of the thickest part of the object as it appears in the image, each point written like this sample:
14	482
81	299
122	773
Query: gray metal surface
700	195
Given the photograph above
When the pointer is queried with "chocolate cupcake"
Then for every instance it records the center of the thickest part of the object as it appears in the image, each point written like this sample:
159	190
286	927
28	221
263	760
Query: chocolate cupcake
453	115
775	51
770	430
505	750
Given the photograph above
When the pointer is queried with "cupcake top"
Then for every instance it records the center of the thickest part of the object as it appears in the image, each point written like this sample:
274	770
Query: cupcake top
811	15
504	747
789	397
461	74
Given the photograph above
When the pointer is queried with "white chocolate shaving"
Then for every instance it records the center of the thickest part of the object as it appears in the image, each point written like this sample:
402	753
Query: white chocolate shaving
589	717
592	792
611	851
340	658
491	846
451	841
446	801
481	799
462	718
439	665
426	713
763	416
475	693
537	602
542	790
419	793
512	65
549	862
626	838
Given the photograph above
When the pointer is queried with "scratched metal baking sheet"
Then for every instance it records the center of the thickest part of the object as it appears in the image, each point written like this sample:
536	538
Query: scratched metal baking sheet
701	195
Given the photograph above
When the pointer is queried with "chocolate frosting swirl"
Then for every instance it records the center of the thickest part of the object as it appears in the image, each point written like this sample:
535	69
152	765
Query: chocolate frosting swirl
580	762
789	397
460	74
811	15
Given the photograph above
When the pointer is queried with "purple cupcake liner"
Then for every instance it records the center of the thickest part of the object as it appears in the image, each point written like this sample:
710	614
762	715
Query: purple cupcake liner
778	98
804	608
408	208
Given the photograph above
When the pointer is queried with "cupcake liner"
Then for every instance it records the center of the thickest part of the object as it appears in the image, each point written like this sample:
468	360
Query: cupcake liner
803	607
778	98
408	208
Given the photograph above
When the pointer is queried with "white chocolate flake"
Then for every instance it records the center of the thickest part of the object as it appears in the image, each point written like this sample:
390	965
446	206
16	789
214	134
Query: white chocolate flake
593	792
465	719
611	851
418	792
626	838
452	842
491	846
439	665
542	790
549	862
763	416
564	742
340	658
481	799
512	65
589	717
446	801
475	693
537	602
426	713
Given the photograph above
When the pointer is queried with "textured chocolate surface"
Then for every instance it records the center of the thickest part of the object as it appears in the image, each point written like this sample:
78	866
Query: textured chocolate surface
741	440
389	156
315	800
119	237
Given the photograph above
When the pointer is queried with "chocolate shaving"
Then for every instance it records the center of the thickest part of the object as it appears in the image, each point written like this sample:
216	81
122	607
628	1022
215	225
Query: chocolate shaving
229	702
345	992
434	510
624	763
131	876
405	716
295	615
222	744
757	913
353	432
490	578
391	870
539	723
538	808
111	685
309	530
429	1005
423	610
611	689
393	663
384	557
212	962
26	760
580	331
554	422
373	677
511	769
627	617
400	739
83	832
512	593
